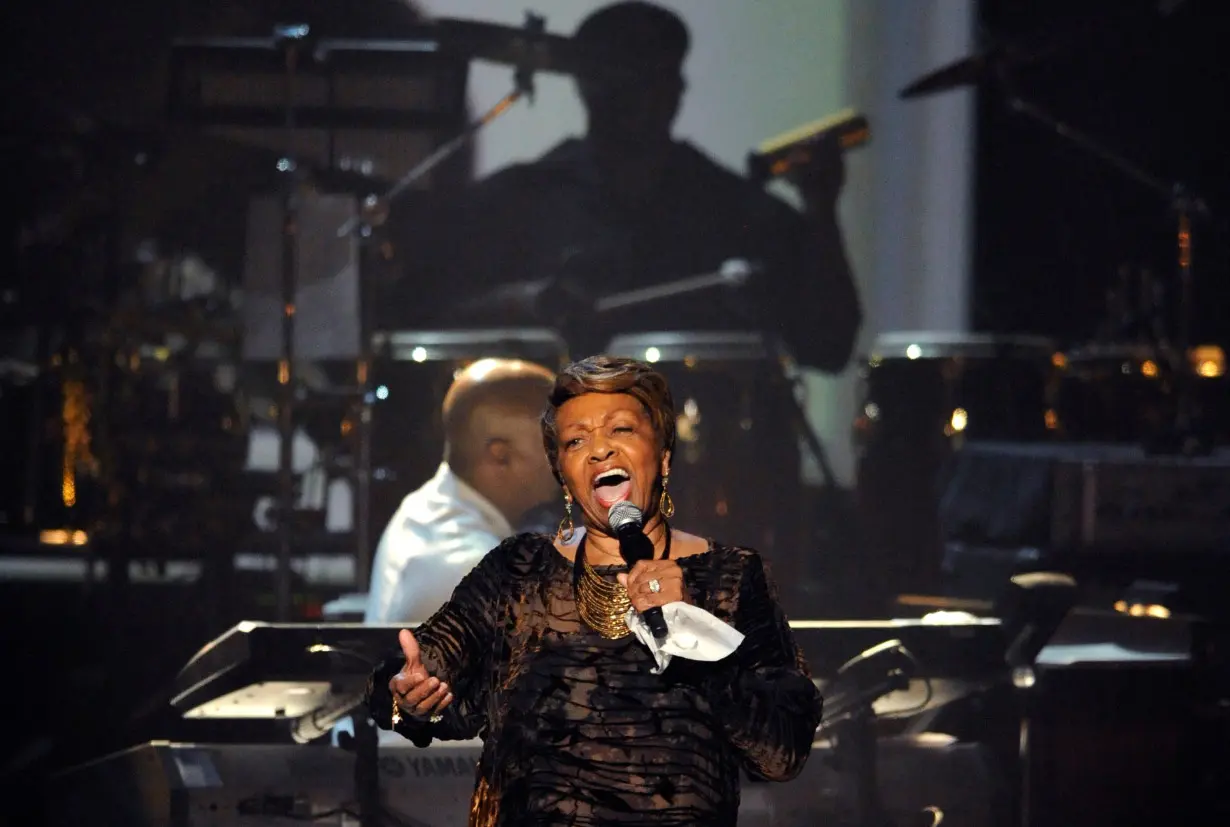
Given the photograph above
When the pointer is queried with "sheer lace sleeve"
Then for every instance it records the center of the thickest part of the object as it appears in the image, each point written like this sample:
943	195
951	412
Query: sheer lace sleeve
764	694
455	644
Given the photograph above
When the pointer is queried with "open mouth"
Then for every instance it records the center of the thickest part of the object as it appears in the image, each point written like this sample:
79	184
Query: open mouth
612	486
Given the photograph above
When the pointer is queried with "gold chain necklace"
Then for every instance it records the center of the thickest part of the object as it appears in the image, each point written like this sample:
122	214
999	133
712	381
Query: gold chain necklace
604	605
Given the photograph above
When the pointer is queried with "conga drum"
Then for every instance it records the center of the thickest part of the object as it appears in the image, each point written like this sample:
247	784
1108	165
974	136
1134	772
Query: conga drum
411	372
922	395
1211	392
1111	393
735	473
1128	393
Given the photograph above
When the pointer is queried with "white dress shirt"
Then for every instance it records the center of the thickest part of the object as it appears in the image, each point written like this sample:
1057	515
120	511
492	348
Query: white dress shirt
436	536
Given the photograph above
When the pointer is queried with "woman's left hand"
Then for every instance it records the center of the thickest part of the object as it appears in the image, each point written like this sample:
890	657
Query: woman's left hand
641	579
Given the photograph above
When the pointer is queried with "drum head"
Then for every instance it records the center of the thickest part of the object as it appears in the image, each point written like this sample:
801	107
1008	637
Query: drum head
541	345
697	349
412	370
941	345
735	469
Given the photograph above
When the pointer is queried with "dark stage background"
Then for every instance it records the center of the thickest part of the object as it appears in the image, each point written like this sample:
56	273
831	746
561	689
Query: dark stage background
88	670
1054	224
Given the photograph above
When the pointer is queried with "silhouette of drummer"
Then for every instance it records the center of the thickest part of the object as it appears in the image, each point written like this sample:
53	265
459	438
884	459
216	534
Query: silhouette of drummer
627	206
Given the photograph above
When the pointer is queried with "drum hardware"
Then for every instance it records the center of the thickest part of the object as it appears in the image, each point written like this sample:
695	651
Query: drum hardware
995	57
732	274
295	47
295	51
526	50
994	66
1135	309
411	372
739	426
1126	393
923	395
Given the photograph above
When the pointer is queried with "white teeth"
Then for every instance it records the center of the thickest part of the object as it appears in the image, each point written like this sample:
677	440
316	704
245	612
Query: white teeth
612	477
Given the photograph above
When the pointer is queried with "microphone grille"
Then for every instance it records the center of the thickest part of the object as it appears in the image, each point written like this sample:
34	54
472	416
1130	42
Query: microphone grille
622	513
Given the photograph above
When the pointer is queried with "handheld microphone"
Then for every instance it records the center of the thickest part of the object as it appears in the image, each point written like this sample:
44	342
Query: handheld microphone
628	523
779	155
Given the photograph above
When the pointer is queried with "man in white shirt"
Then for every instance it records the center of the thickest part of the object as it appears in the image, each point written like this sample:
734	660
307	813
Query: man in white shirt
494	471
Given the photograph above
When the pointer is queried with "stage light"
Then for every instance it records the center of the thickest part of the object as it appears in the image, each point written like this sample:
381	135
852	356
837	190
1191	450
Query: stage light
959	419
1209	361
62	537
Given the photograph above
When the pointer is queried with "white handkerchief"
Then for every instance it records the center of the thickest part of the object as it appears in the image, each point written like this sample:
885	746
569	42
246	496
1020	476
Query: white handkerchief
691	633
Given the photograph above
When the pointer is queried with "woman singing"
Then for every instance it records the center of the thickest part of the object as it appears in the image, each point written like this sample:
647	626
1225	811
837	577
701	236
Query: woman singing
581	723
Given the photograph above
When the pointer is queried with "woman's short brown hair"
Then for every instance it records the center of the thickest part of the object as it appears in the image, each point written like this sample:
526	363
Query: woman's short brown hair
610	374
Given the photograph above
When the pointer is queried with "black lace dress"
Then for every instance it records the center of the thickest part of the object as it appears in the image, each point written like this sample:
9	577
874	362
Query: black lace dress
576	728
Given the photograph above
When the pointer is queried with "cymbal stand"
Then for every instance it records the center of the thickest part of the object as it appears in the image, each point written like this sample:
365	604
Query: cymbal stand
1185	206
523	87
373	213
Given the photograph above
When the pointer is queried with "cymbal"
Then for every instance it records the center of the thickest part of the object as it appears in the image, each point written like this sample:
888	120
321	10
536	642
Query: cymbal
529	46
968	71
1076	35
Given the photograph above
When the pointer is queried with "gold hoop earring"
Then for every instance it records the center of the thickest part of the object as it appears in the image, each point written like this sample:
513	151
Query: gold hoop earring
566	528
666	506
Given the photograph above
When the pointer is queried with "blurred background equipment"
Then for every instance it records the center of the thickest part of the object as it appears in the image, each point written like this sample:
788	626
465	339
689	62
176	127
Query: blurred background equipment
216	385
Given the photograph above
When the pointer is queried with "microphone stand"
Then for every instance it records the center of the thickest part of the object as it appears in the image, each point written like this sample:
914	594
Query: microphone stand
853	729
1185	205
292	39
523	87
374	211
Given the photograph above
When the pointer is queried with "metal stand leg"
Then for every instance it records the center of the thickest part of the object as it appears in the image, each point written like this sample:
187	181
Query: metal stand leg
856	752
1181	436
367	770
292	40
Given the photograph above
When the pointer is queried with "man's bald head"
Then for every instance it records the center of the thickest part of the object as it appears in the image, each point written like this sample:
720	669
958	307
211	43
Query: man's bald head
484	399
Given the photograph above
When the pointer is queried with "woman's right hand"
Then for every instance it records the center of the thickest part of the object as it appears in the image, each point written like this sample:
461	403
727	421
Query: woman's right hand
416	692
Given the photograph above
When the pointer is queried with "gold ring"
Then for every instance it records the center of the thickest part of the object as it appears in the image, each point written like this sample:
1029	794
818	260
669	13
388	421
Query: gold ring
436	718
